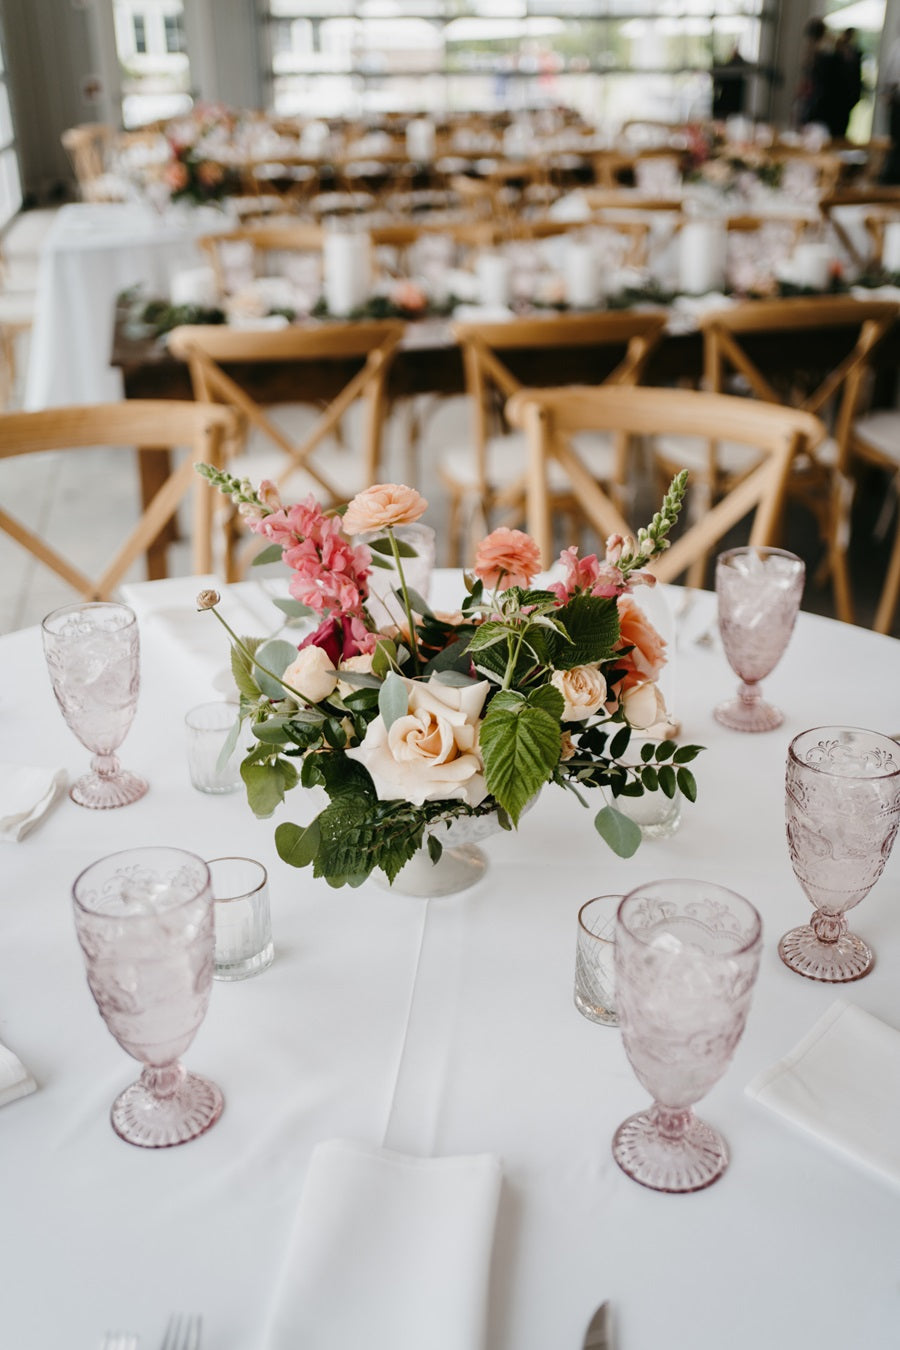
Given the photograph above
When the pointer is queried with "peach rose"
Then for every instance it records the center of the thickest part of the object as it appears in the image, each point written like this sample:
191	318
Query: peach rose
210	173
431	753
643	706
584	690
382	505
648	656
508	558
176	176
311	674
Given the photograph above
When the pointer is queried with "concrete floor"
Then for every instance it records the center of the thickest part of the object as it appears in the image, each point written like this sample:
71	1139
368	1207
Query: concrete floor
80	501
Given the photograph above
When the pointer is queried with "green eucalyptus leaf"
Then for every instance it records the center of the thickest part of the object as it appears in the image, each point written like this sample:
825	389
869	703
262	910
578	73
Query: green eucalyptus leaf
454	679
242	668
620	833
229	745
393	700
276	655
270	554
293	609
418	602
297	845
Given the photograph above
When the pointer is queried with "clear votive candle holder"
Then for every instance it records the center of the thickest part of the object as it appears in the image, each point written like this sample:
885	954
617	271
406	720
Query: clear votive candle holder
595	977
208	727
243	923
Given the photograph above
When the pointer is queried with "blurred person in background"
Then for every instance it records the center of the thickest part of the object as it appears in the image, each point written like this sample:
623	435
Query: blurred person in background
890	90
820	94
849	65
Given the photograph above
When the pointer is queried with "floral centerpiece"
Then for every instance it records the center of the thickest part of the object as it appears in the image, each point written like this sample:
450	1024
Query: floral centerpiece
193	173
411	725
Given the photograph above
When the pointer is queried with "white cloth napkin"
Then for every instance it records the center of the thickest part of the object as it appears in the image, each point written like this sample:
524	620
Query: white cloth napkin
842	1085
15	1080
389	1252
27	793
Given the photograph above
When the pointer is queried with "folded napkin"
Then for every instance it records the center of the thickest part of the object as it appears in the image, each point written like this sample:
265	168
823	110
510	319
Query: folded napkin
26	795
842	1085
388	1252
15	1080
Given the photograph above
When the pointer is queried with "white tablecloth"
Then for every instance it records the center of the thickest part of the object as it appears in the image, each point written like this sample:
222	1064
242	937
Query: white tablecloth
91	253
439	1027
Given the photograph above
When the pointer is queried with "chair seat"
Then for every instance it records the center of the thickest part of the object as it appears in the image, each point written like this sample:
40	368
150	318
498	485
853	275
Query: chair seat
16	309
882	431
692	453
507	460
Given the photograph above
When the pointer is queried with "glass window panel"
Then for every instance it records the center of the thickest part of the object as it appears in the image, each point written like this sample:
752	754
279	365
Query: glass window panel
10	185
6	126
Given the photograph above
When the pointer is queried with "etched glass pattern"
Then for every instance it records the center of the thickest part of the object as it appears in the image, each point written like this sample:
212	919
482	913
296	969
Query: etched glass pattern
759	592
687	955
842	810
144	919
93	656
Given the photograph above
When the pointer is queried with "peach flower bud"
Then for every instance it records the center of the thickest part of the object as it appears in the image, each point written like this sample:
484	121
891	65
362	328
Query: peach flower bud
383	505
268	494
507	558
311	674
584	690
207	599
566	746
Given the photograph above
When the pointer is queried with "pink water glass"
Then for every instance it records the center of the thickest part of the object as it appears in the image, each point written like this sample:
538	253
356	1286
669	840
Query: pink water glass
842	810
687	955
759	592
93	656
144	919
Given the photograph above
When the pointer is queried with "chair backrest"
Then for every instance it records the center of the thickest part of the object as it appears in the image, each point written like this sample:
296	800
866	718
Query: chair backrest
551	417
483	345
87	147
131	424
725	333
208	349
260	240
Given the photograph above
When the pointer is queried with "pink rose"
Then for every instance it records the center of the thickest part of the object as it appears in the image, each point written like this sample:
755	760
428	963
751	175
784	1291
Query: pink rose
588	575
176	176
508	558
336	637
648	655
382	505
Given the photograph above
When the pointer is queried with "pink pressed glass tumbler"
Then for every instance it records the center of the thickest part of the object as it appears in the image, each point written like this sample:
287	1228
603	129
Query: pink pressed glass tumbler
687	955
759	592
144	919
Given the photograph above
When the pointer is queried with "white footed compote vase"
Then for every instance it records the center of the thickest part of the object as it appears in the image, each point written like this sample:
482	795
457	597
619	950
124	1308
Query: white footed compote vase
93	656
144	920
842	810
686	958
759	592
461	863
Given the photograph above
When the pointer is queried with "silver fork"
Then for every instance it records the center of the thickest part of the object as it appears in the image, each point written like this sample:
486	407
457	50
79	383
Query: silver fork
183	1332
119	1340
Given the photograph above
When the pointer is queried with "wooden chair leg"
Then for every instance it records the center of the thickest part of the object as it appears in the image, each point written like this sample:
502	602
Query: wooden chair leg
890	594
453	528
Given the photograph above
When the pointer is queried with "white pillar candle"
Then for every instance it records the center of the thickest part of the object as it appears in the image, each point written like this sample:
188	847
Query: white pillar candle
420	140
347	263
890	257
492	271
194	286
812	262
702	256
581	274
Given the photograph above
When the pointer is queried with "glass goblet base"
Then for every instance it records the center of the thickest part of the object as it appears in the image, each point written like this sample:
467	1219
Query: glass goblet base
847	958
149	1119
742	714
688	1158
102	792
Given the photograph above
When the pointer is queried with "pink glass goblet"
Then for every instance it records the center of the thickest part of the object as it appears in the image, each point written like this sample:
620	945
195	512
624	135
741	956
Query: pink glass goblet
144	919
93	656
687	954
759	591
842	810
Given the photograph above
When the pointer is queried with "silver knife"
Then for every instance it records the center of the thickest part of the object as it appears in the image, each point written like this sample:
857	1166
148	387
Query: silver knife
597	1336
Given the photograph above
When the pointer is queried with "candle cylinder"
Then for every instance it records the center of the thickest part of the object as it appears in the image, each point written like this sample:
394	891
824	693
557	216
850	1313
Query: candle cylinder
812	262
702	256
581	274
890	256
420	139
347	263
493	273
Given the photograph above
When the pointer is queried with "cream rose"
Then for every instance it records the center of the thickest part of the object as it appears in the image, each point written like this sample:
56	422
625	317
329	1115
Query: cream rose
311	674
362	664
432	752
643	705
584	691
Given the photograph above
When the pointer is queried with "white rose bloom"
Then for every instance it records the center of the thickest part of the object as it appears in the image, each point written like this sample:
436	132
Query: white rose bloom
311	674
643	706
431	753
584	690
362	664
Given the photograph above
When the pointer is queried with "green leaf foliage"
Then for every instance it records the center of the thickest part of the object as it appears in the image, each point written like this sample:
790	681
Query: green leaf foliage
687	783
266	784
242	668
592	625
296	844
276	656
384	546
520	744
393	700
270	554
620	833
292	609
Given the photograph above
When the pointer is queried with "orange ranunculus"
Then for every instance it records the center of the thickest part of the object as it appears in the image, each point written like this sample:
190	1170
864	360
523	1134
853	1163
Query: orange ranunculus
382	505
507	558
648	654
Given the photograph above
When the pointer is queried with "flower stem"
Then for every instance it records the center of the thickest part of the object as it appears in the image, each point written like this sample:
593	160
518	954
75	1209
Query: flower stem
245	650
406	601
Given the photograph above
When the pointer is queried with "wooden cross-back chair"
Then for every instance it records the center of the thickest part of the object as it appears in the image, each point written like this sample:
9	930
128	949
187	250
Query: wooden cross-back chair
820	480
885	197
87	146
636	233
551	420
131	424
490	473
304	237
219	358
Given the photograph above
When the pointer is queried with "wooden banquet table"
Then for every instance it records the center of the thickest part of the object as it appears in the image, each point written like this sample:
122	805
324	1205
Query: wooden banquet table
439	1027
